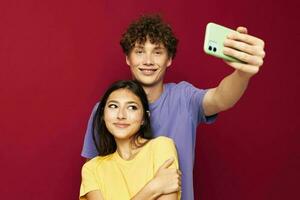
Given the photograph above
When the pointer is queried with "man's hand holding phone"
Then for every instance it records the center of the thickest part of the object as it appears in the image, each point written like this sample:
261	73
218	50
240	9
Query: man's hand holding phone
239	50
247	48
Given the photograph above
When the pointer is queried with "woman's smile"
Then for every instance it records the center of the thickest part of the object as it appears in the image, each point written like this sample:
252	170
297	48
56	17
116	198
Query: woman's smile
121	125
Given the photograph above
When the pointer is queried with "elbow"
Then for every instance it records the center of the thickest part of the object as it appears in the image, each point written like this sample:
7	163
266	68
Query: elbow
225	106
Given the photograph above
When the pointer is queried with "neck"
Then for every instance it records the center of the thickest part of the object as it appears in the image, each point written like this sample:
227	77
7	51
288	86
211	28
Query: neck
124	148
153	92
127	149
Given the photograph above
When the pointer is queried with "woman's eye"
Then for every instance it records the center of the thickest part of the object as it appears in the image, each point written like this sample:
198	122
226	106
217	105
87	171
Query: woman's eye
112	106
158	52
132	107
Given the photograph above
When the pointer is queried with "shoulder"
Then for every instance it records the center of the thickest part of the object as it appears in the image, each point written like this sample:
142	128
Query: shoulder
95	162
181	87
181	84
164	149
162	141
184	92
95	107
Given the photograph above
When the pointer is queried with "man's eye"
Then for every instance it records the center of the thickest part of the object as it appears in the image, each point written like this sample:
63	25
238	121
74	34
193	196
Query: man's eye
112	106
158	52
132	107
139	51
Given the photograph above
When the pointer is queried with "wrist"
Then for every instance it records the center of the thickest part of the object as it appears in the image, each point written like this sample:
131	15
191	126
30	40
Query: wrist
150	192
153	188
243	75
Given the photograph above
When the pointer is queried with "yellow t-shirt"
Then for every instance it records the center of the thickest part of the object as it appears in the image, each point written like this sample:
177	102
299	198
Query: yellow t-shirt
120	179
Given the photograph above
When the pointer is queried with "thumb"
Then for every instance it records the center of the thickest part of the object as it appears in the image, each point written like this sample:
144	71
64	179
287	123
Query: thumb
167	163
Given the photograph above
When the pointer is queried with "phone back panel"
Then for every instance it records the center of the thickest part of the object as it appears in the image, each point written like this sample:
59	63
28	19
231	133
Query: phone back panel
214	39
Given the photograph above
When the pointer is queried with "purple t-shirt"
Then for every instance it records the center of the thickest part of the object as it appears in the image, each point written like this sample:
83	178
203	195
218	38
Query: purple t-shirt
176	114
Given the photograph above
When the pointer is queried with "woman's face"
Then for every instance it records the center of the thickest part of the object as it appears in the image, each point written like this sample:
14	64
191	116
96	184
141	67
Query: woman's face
123	114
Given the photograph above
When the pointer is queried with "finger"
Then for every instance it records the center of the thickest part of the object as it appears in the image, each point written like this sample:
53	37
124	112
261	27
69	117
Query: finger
249	39
179	183
244	67
167	163
179	172
241	46
242	56
242	29
177	188
179	179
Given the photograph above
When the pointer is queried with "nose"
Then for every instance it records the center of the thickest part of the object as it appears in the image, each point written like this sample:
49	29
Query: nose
148	60
121	113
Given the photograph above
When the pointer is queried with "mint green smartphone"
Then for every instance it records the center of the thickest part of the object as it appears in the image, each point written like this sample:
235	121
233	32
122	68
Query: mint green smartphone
214	38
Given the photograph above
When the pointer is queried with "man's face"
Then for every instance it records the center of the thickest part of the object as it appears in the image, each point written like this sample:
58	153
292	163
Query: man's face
148	63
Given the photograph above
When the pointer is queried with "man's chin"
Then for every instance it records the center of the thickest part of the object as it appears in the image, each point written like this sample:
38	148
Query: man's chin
149	83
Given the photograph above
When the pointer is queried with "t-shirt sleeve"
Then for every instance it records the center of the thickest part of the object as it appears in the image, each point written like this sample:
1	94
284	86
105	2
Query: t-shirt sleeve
88	180
194	101
163	149
89	149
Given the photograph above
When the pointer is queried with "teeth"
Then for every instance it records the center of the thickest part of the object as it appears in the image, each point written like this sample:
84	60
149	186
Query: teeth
149	70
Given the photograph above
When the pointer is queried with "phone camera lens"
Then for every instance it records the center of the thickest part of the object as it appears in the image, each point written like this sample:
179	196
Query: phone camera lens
214	49
209	48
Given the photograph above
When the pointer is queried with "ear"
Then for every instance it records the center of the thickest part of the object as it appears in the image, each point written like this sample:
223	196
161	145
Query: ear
148	113
169	62
127	60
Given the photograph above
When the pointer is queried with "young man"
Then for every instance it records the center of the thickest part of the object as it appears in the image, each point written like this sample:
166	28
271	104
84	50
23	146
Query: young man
176	109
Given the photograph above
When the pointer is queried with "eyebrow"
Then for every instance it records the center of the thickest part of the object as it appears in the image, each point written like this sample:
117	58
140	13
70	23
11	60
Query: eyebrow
159	47
127	102
140	46
132	102
112	101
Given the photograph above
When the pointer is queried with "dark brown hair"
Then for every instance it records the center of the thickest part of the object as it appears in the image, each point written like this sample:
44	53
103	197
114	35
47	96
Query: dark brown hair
149	27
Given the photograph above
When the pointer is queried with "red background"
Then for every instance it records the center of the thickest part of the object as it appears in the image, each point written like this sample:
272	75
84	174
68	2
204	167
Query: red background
58	56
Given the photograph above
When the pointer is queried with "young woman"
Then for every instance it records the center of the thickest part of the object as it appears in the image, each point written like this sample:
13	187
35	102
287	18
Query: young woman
128	158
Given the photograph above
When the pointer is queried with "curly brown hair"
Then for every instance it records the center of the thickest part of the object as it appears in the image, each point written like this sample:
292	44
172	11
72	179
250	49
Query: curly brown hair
149	27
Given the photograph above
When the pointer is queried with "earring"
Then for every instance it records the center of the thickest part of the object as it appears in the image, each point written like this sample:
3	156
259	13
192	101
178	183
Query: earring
148	112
